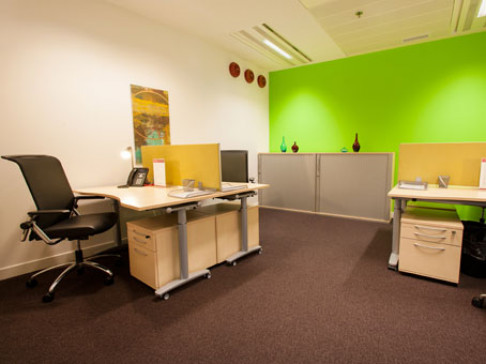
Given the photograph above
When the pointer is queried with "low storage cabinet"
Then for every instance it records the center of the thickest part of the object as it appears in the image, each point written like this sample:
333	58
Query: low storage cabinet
431	243
154	248
228	227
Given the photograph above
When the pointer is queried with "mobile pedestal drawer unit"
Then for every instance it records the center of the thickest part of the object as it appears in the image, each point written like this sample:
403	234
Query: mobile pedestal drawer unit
431	243
228	227
153	247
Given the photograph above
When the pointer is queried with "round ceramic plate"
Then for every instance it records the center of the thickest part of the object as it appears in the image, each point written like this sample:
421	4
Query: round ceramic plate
262	81
234	69
249	76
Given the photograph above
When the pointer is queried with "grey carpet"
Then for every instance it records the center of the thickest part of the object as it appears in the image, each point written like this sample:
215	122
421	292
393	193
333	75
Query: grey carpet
320	293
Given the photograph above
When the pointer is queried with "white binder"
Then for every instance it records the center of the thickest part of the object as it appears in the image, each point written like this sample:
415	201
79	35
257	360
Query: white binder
482	176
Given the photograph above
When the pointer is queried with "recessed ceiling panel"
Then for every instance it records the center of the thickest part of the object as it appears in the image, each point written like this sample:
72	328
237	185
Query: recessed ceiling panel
361	26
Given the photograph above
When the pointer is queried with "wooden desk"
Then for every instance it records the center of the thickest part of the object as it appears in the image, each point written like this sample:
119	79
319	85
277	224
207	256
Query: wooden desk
150	198
458	195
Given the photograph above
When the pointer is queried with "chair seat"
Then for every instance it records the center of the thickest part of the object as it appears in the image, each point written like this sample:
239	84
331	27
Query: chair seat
82	226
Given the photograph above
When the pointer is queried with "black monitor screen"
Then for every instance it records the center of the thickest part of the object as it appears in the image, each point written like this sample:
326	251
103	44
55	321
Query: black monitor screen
234	165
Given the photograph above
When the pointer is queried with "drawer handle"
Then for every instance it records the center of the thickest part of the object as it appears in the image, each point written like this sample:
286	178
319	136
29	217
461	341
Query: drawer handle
430	236
140	241
430	228
141	234
140	252
429	247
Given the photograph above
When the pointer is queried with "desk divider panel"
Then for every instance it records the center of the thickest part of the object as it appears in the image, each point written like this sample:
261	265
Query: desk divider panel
200	162
460	161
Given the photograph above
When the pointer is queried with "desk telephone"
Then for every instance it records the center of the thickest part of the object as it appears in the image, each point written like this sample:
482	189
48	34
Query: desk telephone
136	177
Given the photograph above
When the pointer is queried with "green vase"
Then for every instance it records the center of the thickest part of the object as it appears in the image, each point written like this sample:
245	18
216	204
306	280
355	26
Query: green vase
283	146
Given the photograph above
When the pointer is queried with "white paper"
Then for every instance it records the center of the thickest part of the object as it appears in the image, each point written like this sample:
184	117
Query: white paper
159	172
482	176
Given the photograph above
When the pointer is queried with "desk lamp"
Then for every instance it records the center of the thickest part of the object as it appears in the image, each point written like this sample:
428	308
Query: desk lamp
127	153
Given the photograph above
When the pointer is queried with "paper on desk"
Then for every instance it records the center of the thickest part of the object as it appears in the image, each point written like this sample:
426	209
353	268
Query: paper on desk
159	172
180	193
231	186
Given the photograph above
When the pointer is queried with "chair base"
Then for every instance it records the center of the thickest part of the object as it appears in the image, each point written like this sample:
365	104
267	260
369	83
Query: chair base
77	265
479	301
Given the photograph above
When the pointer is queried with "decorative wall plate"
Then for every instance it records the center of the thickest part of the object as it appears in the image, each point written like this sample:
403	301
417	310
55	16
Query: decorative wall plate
249	76
262	81
234	69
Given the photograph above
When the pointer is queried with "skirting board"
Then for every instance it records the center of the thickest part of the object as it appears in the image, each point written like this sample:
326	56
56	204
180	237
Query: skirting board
45	262
329	214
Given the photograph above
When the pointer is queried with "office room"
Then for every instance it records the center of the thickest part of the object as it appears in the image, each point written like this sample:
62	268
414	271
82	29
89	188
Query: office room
321	291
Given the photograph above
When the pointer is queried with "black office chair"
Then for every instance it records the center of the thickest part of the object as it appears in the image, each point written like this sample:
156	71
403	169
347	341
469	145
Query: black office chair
56	218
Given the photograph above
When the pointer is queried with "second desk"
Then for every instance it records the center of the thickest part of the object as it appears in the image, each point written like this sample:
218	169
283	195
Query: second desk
149	198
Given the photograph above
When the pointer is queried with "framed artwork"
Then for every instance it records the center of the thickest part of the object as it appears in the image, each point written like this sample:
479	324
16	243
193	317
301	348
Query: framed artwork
151	126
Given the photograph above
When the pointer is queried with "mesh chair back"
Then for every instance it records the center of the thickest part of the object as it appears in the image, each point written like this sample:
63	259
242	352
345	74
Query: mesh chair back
47	183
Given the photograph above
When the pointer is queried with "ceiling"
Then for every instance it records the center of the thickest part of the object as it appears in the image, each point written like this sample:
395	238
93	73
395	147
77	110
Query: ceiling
311	31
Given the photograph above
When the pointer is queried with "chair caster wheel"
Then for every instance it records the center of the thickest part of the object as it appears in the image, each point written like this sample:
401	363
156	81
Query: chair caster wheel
260	251
165	296
109	281
232	263
31	283
478	302
208	275
48	297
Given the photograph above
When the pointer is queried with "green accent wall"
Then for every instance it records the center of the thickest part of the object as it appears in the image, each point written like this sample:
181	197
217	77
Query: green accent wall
425	93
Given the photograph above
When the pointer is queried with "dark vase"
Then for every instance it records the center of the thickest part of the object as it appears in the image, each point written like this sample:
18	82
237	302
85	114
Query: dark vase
356	145
295	147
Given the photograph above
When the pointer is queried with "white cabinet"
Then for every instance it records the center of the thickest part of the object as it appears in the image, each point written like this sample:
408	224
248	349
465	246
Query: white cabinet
431	243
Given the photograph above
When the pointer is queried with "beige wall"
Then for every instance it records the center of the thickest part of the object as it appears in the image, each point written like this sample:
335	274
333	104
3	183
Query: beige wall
66	67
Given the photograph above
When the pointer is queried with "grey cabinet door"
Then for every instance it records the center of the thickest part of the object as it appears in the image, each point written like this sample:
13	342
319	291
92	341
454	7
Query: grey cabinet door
292	179
355	184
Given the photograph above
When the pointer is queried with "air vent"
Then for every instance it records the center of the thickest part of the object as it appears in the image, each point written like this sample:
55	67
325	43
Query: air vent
271	44
415	38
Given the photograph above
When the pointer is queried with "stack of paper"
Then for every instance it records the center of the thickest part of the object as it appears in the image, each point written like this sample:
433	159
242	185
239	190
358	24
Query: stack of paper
231	186
412	185
180	193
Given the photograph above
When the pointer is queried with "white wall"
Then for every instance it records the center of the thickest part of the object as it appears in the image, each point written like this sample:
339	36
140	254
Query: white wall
65	71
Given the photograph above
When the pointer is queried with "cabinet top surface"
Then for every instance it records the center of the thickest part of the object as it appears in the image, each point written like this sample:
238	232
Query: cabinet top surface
163	221
336	153
428	216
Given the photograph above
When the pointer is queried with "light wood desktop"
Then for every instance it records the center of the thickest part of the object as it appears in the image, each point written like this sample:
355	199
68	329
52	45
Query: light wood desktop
458	195
150	197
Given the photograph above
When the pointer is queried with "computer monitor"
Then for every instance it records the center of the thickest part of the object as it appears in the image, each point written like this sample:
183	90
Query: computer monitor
234	165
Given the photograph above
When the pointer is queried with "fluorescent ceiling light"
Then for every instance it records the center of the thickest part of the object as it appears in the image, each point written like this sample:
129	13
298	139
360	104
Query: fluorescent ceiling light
277	49
482	9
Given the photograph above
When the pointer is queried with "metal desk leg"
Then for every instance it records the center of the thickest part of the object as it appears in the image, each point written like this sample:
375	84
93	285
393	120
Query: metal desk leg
118	235
244	235
393	260
186	277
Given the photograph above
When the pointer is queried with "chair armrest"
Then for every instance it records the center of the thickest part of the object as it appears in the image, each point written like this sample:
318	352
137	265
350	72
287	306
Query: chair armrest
46	212
86	197
31	225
